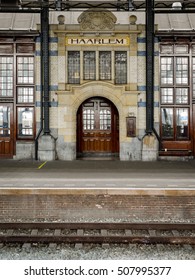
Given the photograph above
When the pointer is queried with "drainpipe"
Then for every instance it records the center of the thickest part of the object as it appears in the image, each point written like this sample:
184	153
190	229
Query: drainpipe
41	107
44	68
45	54
149	66
150	23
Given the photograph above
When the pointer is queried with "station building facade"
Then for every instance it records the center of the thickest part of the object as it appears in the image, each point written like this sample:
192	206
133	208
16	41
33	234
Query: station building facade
97	90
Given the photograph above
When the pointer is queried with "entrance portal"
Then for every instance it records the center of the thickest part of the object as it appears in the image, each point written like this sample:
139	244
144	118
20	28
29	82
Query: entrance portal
97	128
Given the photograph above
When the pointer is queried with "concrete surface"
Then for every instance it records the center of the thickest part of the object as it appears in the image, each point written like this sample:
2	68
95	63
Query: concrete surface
89	174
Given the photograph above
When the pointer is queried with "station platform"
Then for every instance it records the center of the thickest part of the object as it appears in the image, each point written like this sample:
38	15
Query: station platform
97	190
100	176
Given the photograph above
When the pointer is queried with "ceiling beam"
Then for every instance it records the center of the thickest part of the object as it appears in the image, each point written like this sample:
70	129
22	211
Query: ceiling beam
160	6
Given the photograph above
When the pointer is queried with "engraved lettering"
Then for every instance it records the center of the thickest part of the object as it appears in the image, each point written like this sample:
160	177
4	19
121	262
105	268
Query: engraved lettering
120	41
74	41
97	41
82	41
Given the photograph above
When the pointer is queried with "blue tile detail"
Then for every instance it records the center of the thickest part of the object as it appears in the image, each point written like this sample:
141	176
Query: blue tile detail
51	53
143	53
51	104
141	39
143	88
51	87
38	103
51	39
143	104
38	53
38	87
38	39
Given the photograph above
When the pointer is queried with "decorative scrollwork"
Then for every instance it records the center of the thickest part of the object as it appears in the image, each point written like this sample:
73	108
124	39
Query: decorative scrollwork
97	20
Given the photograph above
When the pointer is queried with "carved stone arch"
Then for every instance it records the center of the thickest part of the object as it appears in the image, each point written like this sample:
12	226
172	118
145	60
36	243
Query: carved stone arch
90	89
101	140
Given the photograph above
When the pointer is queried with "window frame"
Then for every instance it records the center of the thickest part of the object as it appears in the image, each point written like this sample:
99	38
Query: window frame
176	87
23	70
97	75
20	47
102	66
7	76
75	70
30	136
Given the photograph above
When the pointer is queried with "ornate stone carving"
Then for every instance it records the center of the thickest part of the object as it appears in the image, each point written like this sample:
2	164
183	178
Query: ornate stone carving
97	20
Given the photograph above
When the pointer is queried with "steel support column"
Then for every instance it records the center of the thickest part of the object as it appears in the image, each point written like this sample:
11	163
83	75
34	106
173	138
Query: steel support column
45	65
149	66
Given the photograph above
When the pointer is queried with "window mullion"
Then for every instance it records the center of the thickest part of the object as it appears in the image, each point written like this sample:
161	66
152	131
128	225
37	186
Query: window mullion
81	67
113	66
97	66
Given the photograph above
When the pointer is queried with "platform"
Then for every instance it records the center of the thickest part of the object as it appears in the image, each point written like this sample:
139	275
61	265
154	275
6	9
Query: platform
97	190
96	176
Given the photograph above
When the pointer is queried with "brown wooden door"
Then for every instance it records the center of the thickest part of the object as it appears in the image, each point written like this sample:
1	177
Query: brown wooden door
97	128
6	130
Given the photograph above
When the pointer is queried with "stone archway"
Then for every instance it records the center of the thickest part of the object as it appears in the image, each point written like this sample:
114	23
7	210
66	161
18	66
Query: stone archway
97	128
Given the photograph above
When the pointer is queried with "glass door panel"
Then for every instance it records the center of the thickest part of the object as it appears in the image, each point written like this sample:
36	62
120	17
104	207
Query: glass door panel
182	122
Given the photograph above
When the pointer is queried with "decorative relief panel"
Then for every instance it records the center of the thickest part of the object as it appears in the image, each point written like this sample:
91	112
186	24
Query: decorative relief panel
97	20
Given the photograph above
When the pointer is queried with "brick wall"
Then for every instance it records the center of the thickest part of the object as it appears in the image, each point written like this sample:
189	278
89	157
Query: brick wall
71	207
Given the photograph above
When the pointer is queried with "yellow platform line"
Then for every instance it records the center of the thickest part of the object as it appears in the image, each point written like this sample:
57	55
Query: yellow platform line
40	166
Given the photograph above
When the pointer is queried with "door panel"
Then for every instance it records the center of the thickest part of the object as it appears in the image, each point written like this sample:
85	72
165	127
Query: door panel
97	142
97	128
6	130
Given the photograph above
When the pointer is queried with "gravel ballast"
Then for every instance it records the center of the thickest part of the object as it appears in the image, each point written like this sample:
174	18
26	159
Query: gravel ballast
94	252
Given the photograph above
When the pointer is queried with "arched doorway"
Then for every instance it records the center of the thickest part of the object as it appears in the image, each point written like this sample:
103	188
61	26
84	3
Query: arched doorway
97	128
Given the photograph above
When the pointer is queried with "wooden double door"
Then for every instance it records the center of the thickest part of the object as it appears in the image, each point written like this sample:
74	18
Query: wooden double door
6	130
97	128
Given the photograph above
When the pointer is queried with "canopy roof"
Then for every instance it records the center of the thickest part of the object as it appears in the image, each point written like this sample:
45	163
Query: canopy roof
71	10
84	4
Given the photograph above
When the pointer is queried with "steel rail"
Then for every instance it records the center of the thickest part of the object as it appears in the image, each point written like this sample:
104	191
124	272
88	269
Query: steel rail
98	239
117	226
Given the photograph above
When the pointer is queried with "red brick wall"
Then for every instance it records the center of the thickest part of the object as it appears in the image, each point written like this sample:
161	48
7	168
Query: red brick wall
71	207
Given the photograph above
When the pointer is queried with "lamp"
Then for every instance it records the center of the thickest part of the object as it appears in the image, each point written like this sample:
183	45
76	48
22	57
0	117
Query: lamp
177	6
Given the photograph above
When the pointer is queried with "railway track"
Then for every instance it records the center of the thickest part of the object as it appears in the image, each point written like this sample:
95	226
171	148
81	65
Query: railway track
97	233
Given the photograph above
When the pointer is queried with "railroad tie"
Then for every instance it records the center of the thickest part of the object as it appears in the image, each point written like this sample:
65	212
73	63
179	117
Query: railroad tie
128	232
10	232
53	246
27	246
152	232
80	232
104	232
175	232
